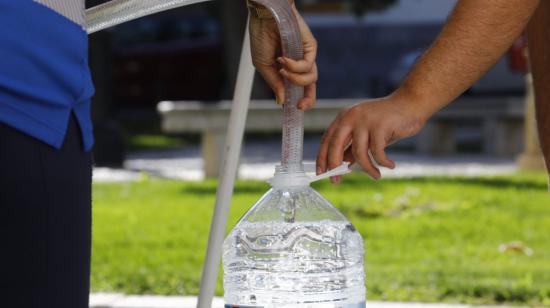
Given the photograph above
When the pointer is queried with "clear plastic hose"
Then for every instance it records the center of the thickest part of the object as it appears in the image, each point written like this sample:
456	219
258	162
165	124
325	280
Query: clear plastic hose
293	126
117	12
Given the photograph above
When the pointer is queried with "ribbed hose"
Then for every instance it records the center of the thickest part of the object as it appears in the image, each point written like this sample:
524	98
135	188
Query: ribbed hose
293	118
117	12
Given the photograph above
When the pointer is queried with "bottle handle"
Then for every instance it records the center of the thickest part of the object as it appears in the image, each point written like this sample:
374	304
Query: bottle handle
340	170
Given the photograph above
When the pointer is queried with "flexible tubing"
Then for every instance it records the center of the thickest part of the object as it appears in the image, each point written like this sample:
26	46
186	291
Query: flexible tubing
117	12
230	164
293	118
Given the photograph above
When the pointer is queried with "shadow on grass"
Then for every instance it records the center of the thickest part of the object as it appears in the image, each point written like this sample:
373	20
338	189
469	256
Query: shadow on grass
359	182
489	182
247	187
497	294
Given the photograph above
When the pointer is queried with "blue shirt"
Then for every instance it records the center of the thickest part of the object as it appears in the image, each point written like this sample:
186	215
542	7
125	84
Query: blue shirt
44	73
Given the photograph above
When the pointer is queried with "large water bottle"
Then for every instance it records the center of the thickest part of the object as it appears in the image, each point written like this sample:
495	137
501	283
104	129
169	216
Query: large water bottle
293	249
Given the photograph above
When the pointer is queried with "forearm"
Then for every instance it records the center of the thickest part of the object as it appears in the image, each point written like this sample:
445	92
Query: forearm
539	53
476	35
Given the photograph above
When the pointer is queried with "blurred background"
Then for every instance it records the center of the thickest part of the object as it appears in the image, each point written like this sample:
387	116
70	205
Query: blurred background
463	218
190	55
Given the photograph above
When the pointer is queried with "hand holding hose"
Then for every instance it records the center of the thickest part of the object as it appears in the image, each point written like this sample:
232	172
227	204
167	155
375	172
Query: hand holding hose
267	57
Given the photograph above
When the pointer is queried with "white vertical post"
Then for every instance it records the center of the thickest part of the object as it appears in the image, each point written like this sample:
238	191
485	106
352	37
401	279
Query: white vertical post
232	151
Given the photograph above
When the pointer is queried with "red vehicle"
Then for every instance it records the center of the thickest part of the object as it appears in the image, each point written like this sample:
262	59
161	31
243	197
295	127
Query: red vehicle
518	55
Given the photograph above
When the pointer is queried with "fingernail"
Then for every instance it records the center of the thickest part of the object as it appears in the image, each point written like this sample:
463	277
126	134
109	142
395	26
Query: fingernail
319	170
339	179
283	72
280	101
281	60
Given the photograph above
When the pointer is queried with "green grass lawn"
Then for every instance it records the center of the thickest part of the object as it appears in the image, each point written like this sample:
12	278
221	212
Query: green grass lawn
153	142
426	239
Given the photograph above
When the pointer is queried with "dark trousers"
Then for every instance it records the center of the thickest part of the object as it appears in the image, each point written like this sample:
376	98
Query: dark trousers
45	221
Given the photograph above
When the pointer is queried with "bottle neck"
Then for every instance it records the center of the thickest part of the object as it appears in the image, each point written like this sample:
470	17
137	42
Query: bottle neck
287	176
291	175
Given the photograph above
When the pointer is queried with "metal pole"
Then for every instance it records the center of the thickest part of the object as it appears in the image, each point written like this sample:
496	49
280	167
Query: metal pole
235	132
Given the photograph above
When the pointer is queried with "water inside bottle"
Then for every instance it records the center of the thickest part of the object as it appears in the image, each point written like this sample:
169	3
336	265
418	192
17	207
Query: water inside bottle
296	264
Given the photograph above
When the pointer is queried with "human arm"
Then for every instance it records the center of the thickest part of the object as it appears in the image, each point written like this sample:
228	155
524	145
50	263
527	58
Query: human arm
267	58
538	33
476	35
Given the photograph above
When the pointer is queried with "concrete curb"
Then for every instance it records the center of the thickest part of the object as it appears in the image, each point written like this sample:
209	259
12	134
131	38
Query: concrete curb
109	300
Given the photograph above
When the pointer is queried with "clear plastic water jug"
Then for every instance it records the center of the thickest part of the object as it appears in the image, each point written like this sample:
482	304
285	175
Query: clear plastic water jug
293	249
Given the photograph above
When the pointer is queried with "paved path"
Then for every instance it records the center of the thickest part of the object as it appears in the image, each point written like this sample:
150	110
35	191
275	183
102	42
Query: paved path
102	300
259	158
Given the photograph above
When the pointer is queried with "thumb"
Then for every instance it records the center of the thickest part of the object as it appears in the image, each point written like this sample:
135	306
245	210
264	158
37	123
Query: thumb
348	155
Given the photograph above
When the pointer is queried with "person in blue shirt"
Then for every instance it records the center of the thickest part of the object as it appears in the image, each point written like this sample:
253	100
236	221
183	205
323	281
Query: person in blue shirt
46	138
